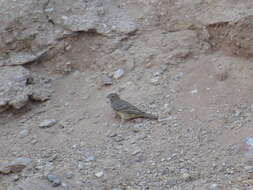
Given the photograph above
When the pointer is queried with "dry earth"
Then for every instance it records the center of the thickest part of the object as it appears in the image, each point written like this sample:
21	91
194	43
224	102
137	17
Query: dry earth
189	61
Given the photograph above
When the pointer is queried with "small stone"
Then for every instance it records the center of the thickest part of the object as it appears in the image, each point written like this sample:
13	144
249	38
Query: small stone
249	169
68	47
4	169
214	187
80	165
70	130
111	134
41	94
91	158
186	177
55	180
15	178
135	152
34	141
52	158
15	166
118	138
106	80
155	80
65	186
76	74
149	65
69	175
100	11
171	181
165	119
246	146
195	91
68	67
118	74
48	10
178	76
47	123
99	174
24	133
19	164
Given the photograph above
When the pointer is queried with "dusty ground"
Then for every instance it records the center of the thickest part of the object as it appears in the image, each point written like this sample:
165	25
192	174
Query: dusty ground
203	97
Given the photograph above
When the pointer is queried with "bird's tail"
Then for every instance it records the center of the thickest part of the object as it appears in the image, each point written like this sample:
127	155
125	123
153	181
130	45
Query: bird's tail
150	116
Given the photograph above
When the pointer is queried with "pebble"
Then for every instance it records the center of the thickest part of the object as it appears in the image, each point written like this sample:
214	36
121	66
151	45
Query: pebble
165	119
51	9
69	175
52	158
4	169
76	74
24	133
99	174
214	187
54	179
119	73
106	80
178	76
249	142
195	91
186	177
135	152
34	141
118	138
15	178
15	166
171	181
47	123
246	146
249	169
111	134
91	158
80	165
65	186
155	80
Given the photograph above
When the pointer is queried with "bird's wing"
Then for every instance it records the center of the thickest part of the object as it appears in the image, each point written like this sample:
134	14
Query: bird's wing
124	106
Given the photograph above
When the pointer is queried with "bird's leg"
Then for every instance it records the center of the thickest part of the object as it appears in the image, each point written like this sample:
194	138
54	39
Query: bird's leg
116	115
122	121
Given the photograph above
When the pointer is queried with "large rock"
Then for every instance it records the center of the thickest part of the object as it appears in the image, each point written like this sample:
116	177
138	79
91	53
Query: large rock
13	88
30	28
101	16
18	85
25	33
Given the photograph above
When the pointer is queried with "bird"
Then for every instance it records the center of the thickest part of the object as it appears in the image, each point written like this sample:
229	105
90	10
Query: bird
127	111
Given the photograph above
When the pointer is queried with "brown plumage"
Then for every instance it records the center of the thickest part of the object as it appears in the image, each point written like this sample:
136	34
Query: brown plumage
127	111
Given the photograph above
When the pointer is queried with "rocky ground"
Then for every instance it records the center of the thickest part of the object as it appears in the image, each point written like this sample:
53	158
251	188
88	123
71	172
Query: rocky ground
190	62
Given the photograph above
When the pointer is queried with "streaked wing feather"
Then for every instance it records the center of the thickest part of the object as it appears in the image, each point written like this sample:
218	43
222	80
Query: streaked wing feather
124	106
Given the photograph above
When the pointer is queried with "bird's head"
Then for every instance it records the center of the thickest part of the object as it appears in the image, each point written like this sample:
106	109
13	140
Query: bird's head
113	96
